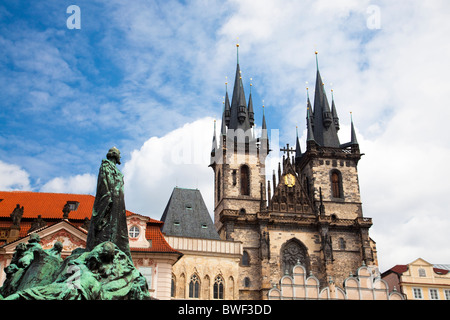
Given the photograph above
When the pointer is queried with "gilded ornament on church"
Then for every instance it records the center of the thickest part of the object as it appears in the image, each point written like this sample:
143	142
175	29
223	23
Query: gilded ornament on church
289	180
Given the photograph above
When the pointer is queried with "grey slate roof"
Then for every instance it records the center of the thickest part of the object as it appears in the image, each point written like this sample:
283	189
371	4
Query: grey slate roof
186	215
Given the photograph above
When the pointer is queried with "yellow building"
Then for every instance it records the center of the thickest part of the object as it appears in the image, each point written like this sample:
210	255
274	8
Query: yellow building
420	280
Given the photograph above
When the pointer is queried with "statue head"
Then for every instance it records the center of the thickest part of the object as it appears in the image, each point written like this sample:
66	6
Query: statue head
34	238
113	153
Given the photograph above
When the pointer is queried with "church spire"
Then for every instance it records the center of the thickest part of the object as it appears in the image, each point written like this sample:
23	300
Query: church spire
239	117
325	132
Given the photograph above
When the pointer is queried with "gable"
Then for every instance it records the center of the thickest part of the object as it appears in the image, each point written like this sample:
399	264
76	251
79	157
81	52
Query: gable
70	236
289	194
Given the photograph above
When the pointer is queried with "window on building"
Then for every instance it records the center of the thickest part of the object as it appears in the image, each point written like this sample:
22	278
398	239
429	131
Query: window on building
447	294
294	252
147	274
218	288
194	287
133	232
422	272
341	243
245	259
73	205
245	180
417	292
246	282
336	185
434	294
172	287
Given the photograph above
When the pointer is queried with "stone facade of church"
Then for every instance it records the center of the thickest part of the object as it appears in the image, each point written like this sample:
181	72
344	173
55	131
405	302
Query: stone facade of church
307	213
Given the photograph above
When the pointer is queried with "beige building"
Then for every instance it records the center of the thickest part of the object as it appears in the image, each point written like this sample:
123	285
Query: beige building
420	280
209	268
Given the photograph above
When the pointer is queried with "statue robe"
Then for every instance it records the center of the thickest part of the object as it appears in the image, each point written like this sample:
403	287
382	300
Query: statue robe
108	222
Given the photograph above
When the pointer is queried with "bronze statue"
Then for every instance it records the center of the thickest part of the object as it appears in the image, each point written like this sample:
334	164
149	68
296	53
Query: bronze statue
108	222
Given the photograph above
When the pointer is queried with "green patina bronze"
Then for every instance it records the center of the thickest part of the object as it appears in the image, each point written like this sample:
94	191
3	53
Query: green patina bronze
109	222
102	271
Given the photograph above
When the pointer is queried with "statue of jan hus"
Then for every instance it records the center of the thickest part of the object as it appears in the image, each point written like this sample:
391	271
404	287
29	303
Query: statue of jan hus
108	222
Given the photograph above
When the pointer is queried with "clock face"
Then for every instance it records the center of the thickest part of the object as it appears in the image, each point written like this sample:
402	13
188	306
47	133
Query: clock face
289	180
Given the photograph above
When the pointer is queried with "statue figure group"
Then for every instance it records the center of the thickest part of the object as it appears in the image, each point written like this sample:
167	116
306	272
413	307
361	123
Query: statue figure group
102	271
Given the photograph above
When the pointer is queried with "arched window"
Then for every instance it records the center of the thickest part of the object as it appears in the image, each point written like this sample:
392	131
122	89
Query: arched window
336	184
194	287
294	252
173	286
245	259
218	288
245	180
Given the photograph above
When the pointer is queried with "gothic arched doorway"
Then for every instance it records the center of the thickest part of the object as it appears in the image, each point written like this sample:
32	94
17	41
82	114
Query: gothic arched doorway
293	252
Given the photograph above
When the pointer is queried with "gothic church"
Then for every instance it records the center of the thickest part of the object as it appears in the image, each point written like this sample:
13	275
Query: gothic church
310	213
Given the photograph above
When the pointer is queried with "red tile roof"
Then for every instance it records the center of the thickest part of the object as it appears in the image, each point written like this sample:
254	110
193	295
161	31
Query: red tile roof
400	268
50	205
159	243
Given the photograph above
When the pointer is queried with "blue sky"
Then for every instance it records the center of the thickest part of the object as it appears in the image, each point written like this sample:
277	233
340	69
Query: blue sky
149	78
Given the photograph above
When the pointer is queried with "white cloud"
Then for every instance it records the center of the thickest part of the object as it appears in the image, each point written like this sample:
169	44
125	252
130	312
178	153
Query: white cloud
13	177
180	158
79	184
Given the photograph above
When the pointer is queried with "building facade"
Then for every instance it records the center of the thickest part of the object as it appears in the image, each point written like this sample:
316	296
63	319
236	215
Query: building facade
420	280
209	268
64	218
310	213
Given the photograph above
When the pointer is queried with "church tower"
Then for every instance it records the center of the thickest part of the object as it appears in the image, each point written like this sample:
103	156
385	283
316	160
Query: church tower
329	172
310	213
238	161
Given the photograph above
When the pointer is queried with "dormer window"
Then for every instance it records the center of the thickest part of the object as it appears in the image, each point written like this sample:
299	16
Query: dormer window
133	232
73	205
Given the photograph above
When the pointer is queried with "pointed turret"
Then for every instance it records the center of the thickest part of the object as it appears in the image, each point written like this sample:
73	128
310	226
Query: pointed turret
310	134
325	132
227	110
251	114
334	112
214	145
223	127
298	151
309	108
353	140
264	136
